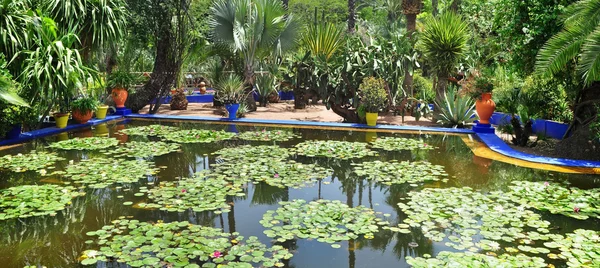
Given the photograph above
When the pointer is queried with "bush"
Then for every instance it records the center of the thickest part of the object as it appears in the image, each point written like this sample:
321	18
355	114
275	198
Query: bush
548	99
373	95
423	88
85	104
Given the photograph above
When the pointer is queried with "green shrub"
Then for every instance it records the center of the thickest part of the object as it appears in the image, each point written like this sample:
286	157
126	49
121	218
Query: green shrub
548	99
85	104
423	88
373	95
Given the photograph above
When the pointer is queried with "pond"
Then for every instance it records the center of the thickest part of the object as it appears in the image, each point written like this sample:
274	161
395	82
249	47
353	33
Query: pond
172	195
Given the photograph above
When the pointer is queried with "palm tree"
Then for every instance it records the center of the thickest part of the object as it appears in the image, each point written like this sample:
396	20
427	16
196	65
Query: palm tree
252	30
351	15
579	40
410	8
443	42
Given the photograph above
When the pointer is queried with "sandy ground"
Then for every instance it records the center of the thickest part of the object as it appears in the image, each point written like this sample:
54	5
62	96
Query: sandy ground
286	111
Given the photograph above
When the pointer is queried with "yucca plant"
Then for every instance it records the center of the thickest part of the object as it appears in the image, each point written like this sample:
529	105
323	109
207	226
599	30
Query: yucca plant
230	90
265	86
323	40
455	111
443	43
579	40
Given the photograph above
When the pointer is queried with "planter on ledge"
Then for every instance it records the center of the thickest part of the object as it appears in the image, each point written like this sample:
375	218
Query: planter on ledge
372	119
119	95
82	117
232	110
101	112
61	119
485	109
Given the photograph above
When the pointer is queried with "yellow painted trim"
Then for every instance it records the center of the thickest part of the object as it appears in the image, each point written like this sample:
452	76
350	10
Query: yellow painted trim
481	150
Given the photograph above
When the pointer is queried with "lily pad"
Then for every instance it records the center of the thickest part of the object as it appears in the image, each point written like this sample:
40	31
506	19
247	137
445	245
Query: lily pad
177	244
395	172
334	149
580	248
400	144
249	153
146	149
30	161
325	220
202	193
91	143
467	214
35	200
556	198
470	259
268	135
101	172
151	130
197	136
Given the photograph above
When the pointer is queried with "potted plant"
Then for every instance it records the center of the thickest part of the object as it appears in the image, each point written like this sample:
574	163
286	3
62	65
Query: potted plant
83	109
12	119
120	81
373	97
480	88
230	91
98	92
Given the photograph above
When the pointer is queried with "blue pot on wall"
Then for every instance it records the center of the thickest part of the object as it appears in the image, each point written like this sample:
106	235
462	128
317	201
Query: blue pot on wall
232	110
14	132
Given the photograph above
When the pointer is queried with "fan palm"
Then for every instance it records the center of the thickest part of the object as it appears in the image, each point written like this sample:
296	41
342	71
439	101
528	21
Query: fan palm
579	39
443	42
252	29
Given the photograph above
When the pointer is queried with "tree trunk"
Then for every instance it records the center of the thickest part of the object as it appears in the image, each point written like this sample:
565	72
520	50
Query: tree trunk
351	15
434	7
411	25
163	74
350	116
285	3
249	80
440	88
455	6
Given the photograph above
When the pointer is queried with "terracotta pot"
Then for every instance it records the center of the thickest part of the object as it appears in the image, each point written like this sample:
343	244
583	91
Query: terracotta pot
61	120
372	119
485	108
119	95
101	112
81	117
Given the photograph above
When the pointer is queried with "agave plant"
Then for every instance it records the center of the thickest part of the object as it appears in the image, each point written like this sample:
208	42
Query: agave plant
456	111
265	85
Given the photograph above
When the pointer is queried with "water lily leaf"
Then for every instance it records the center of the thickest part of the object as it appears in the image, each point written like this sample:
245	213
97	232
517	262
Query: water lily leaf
197	136
268	135
395	172
334	149
30	161
91	143
102	172
400	144
151	130
146	149
35	200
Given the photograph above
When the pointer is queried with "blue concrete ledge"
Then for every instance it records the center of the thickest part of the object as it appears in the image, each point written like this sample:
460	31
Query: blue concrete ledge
206	98
44	132
300	123
498	145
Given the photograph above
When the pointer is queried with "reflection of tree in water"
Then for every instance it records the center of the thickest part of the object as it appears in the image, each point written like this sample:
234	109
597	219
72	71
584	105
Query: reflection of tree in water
51	241
265	194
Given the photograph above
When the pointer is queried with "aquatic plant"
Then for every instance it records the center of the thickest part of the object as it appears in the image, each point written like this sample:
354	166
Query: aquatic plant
334	149
151	130
35	200
91	143
580	248
471	259
268	135
179	244
274	172
556	198
101	172
324	220
30	161
197	136
400	144
198	194
473	215
395	172
248	153
146	149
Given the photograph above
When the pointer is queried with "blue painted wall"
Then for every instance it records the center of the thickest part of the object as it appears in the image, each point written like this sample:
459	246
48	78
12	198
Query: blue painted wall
548	128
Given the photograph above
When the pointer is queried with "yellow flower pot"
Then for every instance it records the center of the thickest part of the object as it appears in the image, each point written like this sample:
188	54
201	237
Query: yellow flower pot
372	119
102	130
61	120
101	112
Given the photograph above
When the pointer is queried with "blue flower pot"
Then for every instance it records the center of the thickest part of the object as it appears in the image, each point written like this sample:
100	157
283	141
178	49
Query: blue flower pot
232	110
286	95
14	132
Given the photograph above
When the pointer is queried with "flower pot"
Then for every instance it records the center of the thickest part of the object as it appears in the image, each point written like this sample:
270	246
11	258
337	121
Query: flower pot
101	130
14	132
61	120
101	112
119	95
82	117
232	110
372	119
485	108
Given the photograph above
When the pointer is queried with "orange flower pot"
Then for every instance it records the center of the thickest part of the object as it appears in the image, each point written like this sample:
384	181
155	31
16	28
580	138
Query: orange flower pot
80	117
119	95
485	108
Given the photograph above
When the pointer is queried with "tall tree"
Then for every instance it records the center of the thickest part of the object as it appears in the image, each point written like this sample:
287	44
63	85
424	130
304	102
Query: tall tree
410	8
351	15
252	30
444	41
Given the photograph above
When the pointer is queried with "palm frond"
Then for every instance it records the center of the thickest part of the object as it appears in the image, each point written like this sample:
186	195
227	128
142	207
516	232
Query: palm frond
589	66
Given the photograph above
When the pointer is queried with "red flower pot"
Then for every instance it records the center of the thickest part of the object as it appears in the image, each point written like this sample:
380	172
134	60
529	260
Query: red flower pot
80	117
485	108
119	95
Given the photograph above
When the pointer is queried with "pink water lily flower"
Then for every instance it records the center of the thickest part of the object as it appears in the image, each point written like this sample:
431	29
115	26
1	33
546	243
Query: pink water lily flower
183	190
546	184
216	254
276	175
576	209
